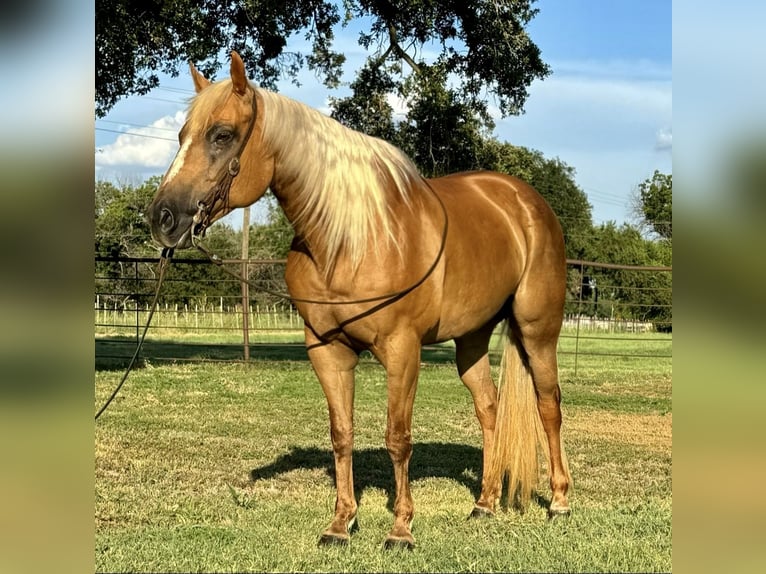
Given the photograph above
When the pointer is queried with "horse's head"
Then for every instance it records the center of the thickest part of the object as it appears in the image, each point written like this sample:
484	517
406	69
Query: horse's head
221	163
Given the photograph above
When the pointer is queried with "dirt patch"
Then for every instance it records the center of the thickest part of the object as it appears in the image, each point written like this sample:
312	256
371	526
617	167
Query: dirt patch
646	430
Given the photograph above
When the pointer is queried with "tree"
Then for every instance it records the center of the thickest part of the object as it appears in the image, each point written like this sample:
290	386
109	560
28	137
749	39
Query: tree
627	293
442	133
272	239
121	229
367	110
484	43
655	203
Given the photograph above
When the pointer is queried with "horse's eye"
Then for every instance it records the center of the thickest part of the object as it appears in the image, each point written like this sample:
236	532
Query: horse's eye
222	138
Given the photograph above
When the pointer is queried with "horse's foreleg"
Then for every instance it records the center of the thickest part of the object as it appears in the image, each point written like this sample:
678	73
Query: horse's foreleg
471	355
334	365
401	358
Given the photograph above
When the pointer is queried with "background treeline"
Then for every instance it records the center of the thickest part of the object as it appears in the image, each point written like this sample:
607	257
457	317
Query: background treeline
452	144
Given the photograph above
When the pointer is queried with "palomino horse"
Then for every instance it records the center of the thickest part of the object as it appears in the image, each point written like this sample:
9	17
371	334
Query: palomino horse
386	260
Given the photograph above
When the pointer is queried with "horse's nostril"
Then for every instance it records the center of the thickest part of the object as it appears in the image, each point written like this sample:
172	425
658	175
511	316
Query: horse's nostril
167	221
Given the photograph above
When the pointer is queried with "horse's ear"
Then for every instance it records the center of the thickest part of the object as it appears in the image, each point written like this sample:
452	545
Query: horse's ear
238	77
200	81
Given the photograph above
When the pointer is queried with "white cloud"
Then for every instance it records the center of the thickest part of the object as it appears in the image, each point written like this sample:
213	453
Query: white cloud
570	113
664	139
400	107
613	68
147	147
606	95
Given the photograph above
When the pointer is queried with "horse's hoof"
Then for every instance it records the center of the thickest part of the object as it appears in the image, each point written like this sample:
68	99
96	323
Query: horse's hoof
353	525
330	539
478	512
396	542
554	513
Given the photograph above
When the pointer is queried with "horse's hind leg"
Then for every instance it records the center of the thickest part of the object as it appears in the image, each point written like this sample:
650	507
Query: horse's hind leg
472	357
538	324
334	365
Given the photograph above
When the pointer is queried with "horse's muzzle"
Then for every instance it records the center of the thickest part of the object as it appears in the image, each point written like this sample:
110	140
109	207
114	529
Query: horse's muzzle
170	226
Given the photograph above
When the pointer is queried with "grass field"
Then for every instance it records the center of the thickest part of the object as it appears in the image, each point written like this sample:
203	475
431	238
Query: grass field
210	466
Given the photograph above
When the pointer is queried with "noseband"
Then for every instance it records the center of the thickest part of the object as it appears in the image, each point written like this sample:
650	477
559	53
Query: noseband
218	197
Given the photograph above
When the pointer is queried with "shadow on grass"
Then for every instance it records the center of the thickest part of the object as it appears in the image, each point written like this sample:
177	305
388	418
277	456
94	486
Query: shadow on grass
112	353
115	352
373	468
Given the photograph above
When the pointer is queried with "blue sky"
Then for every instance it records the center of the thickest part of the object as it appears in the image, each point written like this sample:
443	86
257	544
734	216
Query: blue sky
606	109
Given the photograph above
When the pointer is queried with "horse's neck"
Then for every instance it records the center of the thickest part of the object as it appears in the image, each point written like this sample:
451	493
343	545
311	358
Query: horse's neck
338	187
307	238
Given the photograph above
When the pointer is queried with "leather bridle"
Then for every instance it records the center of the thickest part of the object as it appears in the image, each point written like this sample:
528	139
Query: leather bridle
218	197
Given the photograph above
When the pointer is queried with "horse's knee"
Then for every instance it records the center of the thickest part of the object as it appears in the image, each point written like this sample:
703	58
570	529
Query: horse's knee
486	410
399	445
342	439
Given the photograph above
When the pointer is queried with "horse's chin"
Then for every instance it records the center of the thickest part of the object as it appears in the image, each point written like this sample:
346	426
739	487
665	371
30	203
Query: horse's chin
185	241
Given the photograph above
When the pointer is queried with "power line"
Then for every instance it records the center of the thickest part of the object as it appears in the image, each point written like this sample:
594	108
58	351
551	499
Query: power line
136	134
177	90
180	102
606	197
119	123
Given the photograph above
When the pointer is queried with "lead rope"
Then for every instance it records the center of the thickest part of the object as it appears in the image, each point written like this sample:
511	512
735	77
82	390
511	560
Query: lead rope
167	253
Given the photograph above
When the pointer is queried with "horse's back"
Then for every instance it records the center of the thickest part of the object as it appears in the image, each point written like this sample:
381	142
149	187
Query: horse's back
515	197
501	212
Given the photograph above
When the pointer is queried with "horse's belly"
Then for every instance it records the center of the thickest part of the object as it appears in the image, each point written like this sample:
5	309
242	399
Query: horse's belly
467	314
478	283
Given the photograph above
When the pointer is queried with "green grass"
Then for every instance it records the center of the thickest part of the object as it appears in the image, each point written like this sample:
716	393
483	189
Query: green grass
228	467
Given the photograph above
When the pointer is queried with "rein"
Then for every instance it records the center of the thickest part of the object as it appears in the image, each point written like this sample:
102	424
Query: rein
386	299
167	253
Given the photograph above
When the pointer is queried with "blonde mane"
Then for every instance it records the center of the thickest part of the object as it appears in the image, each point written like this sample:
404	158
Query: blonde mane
344	181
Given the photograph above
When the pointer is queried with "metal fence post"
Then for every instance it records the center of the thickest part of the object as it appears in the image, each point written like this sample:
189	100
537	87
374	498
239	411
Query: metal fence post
138	322
245	285
579	313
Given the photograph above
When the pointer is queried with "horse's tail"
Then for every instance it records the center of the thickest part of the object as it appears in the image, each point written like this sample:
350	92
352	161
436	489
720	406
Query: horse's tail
519	434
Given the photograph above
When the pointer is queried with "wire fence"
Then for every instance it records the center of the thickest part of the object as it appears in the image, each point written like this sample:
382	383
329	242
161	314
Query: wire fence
204	314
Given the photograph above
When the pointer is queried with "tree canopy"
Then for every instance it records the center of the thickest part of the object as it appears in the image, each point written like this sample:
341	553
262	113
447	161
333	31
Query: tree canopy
121	229
655	201
483	43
